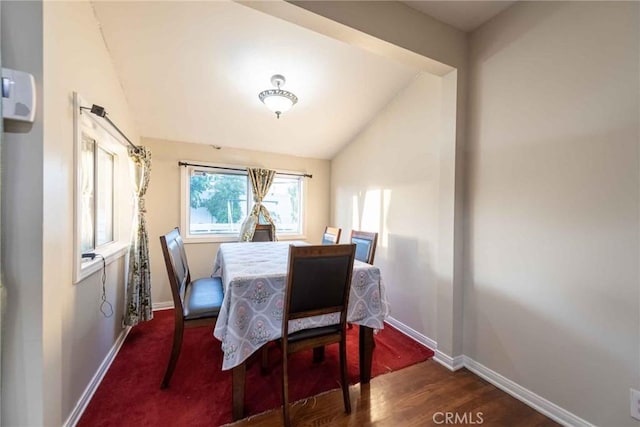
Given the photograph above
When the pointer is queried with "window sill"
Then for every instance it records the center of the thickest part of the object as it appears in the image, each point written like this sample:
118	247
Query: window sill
235	238
210	239
110	253
288	237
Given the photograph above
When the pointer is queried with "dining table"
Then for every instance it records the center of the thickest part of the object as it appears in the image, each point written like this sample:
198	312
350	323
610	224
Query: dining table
254	279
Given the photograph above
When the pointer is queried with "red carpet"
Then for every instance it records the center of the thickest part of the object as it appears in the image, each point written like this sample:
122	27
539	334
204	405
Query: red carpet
200	393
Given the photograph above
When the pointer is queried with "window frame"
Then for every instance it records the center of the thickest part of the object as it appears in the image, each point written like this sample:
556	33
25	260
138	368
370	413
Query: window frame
98	147
107	139
98	171
185	197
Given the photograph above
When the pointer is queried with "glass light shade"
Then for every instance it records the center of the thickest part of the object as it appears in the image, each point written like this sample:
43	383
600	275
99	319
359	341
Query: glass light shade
278	102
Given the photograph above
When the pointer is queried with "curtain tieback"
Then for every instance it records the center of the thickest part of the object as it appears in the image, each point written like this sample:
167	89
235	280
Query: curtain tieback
141	206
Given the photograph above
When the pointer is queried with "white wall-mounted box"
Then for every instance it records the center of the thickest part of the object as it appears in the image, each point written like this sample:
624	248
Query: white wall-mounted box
18	95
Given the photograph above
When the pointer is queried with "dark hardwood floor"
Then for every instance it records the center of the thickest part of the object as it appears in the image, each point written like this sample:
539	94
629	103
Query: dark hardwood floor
425	394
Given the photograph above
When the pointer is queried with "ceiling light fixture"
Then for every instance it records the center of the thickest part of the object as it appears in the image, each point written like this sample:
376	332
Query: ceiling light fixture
278	100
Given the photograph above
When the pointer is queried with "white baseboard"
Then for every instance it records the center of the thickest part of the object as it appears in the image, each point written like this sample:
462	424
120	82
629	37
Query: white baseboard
540	404
451	363
162	305
528	397
84	400
412	333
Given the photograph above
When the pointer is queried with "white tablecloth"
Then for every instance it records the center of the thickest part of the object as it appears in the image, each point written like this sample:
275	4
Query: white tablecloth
254	279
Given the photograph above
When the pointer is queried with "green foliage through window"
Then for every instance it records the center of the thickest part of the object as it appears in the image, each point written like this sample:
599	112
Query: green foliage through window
220	194
220	201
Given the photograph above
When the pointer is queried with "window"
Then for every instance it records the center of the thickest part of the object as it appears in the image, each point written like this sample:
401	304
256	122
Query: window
216	201
97	205
283	203
103	190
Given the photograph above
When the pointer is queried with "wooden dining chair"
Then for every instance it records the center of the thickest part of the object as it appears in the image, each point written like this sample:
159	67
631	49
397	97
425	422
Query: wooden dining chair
264	233
331	236
365	245
196	303
318	282
365	249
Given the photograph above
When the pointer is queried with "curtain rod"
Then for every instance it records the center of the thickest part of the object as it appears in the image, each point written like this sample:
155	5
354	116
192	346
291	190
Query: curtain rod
100	112
305	175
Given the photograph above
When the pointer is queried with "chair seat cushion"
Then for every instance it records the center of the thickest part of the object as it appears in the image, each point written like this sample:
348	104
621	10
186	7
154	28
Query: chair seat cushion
314	332
203	298
363	248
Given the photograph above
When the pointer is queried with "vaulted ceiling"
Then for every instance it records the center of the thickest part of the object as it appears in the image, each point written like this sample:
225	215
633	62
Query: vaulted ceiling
463	15
192	71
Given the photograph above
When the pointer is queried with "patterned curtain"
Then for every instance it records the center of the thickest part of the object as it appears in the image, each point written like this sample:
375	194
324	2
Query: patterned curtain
261	180
138	299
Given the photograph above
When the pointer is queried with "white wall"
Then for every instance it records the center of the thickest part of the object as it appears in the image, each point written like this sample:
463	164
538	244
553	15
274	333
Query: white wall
397	31
163	200
552	291
387	180
399	25
22	218
77	336
55	336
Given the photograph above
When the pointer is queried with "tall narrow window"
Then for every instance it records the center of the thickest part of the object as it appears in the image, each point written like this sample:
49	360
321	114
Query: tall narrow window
103	194
87	203
97	195
104	200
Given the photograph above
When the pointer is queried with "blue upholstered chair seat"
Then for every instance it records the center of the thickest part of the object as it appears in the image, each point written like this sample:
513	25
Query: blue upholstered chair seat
203	298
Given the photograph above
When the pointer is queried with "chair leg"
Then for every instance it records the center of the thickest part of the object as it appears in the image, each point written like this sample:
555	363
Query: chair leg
345	379
175	352
318	354
285	390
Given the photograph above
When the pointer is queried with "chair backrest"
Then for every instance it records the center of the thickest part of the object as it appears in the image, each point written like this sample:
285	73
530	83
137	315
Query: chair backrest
365	245
175	259
263	233
331	236
318	281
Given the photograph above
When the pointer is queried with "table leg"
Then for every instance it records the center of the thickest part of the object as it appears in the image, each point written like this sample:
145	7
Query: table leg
238	375
318	354
366	350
